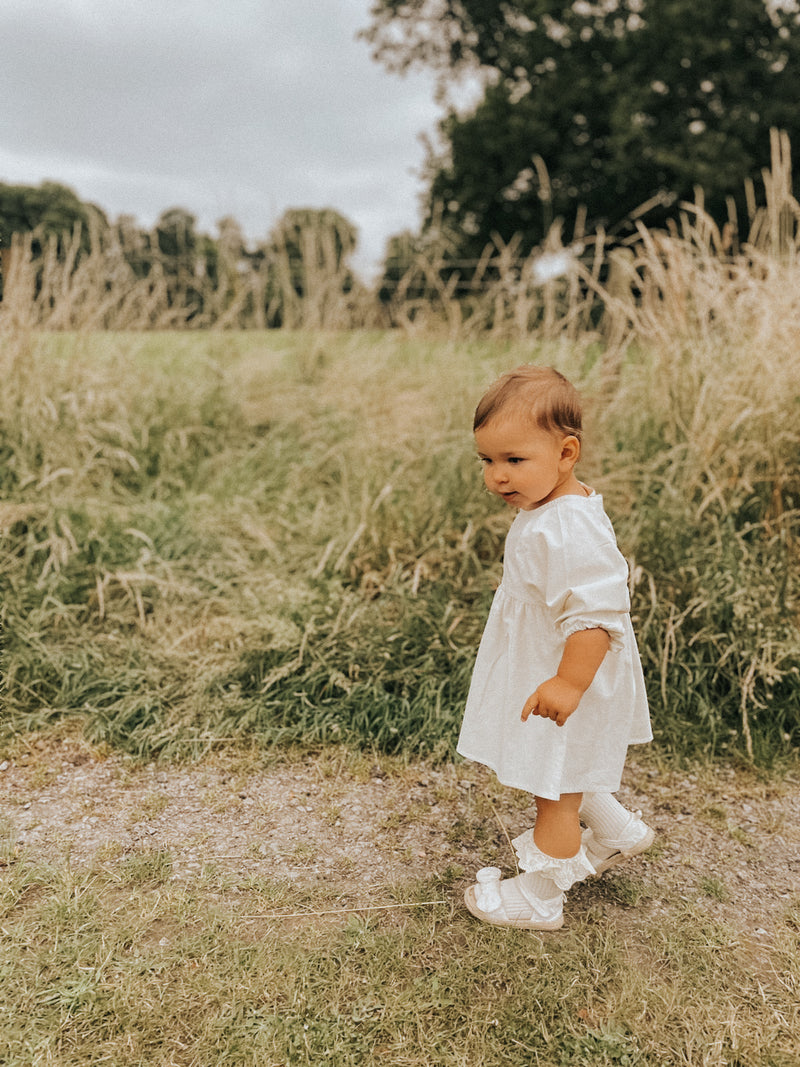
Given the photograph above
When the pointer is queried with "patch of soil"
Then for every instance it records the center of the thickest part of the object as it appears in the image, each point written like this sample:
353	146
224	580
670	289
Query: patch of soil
726	841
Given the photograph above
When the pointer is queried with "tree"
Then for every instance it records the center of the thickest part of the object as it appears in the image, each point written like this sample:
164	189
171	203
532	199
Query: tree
181	253
231	239
50	207
401	274
611	104
176	236
308	265
49	210
313	240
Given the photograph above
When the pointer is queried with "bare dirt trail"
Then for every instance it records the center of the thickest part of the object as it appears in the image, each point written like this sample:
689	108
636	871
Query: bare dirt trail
726	840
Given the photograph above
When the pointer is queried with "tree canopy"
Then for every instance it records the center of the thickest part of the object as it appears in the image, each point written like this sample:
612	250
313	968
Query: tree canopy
50	208
613	105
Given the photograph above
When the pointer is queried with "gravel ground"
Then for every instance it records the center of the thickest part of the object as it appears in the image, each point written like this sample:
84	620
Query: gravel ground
727	841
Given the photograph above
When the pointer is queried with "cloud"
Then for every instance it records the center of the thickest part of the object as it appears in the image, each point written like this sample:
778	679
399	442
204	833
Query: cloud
244	108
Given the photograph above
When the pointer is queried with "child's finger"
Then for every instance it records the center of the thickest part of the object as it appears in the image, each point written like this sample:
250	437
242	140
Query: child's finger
531	706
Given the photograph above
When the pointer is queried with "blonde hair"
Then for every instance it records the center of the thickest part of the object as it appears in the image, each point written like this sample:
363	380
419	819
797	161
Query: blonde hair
541	394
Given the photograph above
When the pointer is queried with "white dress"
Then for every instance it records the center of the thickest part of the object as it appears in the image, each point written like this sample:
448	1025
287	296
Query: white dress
562	572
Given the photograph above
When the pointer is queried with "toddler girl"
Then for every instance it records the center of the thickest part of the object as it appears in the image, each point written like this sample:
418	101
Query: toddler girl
557	693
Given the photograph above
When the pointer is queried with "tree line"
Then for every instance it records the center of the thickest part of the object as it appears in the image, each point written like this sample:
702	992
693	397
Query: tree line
189	263
592	116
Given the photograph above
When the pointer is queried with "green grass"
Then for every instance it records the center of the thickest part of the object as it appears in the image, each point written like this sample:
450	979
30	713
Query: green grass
121	965
285	537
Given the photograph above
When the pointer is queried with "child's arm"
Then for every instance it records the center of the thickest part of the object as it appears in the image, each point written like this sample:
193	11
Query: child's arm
559	696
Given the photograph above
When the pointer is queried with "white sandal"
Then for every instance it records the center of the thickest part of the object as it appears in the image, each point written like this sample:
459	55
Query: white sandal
636	837
511	903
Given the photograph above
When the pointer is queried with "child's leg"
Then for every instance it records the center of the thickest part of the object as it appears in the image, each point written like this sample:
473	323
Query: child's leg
614	833
552	859
558	826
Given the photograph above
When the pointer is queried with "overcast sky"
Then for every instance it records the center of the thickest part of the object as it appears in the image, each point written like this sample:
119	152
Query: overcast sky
223	107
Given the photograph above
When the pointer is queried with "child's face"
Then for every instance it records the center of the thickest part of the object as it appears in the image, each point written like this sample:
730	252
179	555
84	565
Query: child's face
524	465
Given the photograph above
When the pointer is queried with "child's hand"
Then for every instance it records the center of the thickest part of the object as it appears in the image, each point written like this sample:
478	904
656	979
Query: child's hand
555	699
560	695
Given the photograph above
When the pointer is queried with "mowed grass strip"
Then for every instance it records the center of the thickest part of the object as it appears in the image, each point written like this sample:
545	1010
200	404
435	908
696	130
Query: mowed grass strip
120	965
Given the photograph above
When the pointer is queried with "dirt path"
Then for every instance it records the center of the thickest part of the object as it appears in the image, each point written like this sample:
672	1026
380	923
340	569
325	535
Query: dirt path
725	839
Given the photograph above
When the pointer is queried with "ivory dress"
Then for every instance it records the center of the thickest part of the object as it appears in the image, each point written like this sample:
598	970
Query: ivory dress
562	572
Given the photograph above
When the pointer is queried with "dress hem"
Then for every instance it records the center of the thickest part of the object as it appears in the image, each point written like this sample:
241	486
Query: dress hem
503	780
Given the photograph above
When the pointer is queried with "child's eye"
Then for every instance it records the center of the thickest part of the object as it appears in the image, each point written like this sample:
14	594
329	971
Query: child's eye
484	459
515	459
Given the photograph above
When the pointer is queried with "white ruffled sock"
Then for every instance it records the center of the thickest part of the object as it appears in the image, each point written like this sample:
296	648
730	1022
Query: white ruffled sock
607	819
562	872
604	814
515	903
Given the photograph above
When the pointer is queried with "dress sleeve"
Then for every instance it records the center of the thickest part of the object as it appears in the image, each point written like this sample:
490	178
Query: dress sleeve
583	576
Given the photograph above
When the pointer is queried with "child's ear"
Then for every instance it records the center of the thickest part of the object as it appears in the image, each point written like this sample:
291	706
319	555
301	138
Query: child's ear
571	449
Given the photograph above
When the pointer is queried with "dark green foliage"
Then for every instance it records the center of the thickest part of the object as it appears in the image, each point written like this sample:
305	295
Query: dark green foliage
53	214
51	208
720	645
390	678
609	106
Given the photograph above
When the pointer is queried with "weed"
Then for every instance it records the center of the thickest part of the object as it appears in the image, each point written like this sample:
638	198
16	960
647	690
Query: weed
715	815
146	867
627	890
740	835
151	805
714	887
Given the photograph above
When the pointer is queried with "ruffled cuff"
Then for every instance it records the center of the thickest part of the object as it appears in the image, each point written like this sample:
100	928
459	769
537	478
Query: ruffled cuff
564	872
612	627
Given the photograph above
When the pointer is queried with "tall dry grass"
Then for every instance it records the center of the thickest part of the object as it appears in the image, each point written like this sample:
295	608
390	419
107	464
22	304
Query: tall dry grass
121	283
695	280
281	534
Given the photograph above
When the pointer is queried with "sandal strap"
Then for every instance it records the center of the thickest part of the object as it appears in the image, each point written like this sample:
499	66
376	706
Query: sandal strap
488	895
622	842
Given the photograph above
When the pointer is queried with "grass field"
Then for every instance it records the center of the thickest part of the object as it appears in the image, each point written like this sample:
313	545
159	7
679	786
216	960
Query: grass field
285	536
132	958
278	542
